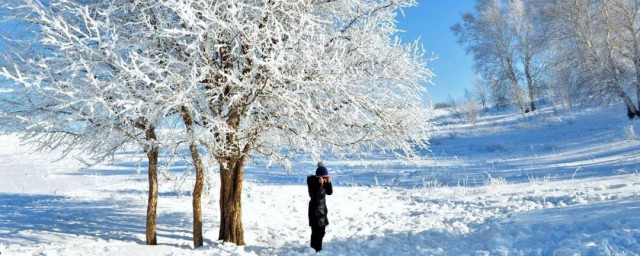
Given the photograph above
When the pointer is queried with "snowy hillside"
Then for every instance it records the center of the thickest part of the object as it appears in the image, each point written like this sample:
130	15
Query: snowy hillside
549	183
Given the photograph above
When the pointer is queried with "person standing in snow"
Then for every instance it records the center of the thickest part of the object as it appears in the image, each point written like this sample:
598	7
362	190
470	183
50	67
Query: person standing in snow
319	186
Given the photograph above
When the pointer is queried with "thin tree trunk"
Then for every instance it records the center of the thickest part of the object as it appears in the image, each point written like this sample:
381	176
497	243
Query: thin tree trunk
632	111
519	95
517	90
636	62
527	73
152	204
638	98
198	187
197	196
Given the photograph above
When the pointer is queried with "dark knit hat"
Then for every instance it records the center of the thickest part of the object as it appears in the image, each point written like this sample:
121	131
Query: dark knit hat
322	171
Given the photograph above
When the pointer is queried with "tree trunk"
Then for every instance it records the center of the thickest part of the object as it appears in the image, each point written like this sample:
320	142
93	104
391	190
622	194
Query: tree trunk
637	66
231	174
197	196
638	98
152	204
517	90
632	111
198	187
519	95
527	73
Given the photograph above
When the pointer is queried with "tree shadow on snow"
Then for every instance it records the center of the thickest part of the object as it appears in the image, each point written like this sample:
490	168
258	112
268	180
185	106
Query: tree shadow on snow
55	217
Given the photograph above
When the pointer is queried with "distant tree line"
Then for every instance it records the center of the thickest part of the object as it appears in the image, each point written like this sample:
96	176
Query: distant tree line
566	51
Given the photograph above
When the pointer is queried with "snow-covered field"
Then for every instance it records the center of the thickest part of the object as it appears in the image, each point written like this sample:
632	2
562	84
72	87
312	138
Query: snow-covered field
550	183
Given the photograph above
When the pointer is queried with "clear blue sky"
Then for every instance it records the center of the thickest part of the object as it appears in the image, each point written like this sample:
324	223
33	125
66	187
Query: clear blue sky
430	21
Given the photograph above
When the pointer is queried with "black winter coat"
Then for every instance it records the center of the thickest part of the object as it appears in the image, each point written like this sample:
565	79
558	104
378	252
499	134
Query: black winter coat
318	204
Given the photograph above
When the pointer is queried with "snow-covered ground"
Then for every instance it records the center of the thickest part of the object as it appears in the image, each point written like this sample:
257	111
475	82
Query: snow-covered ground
549	183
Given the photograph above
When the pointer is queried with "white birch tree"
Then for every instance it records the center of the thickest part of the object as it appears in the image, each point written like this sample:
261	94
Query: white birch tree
506	43
598	39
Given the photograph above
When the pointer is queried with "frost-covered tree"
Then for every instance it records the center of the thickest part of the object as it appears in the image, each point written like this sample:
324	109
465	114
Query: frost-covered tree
506	43
273	78
625	15
599	42
280	77
82	80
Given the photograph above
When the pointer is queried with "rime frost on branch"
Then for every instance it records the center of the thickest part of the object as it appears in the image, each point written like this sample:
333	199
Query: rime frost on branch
305	76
